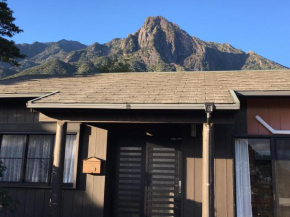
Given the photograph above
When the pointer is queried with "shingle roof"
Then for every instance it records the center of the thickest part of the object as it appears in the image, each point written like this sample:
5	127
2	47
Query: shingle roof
147	88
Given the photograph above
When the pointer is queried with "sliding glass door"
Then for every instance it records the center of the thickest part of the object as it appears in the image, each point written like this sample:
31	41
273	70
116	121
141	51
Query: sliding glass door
254	182
262	167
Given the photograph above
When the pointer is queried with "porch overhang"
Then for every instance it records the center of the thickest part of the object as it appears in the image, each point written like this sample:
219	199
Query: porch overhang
135	116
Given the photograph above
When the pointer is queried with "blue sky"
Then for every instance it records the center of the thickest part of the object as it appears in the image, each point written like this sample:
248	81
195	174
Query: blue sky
259	25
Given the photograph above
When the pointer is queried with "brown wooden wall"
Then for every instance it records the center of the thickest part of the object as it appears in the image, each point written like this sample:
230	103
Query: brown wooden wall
16	113
88	199
276	112
84	201
223	179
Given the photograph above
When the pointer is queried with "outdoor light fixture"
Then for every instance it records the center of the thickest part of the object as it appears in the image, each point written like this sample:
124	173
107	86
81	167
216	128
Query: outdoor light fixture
208	107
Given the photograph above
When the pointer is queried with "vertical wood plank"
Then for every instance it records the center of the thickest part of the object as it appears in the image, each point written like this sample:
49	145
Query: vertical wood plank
99	181
220	172
20	115
12	192
21	198
285	114
274	114
263	111
230	172
67	203
198	177
35	117
98	195
39	202
88	193
77	204
252	111
29	203
46	207
3	114
189	178
12	111
28	116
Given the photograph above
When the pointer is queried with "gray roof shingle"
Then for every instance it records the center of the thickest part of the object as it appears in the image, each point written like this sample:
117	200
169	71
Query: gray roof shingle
148	88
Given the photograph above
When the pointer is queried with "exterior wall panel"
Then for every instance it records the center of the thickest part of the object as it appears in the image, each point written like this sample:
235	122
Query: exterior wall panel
276	112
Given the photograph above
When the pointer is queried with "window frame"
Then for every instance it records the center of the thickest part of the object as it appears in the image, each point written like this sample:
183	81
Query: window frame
23	184
272	139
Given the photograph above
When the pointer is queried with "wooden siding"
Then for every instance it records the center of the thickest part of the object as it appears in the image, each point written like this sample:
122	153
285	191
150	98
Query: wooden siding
223	179
17	113
88	199
276	112
85	201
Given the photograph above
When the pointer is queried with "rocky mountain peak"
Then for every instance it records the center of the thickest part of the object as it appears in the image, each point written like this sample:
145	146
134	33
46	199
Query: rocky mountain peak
159	45
172	43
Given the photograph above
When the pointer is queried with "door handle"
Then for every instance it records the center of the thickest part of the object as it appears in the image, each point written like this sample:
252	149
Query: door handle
179	186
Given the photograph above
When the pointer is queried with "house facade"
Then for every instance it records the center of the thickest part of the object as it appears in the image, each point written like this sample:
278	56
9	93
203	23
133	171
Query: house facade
167	144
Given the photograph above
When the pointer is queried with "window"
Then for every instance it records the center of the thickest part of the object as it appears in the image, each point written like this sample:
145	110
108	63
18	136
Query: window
28	159
254	180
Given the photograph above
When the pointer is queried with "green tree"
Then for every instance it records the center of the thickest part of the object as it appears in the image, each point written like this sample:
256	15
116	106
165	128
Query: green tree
6	202
8	51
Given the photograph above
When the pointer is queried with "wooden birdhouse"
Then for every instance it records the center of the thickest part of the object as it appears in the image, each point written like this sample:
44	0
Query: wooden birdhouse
92	165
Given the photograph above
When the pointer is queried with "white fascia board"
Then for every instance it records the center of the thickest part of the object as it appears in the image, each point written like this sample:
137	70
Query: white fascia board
20	95
132	106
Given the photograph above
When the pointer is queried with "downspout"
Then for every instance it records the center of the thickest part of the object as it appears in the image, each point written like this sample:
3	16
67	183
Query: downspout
207	191
268	127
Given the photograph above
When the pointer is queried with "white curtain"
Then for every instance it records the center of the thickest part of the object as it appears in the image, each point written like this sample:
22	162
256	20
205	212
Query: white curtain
70	149
38	158
12	148
243	184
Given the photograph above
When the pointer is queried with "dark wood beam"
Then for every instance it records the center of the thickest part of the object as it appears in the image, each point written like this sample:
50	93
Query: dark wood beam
57	170
182	117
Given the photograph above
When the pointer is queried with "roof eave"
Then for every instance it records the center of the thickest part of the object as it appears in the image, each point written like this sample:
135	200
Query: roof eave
145	106
131	106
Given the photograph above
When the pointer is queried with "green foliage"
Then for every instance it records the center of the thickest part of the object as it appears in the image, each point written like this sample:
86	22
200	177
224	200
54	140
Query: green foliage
8	50
113	64
6	202
51	68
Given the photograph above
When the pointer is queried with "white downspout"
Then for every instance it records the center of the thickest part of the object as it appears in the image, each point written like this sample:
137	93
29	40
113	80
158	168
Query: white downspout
268	127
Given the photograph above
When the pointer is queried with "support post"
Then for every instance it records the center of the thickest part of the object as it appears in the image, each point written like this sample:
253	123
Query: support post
208	172
57	169
207	165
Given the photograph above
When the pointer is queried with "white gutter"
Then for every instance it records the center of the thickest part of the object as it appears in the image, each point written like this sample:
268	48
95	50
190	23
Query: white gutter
268	127
20	95
131	106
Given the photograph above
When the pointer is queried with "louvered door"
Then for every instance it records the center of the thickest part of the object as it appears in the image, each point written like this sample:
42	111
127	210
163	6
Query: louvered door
163	184
147	179
130	179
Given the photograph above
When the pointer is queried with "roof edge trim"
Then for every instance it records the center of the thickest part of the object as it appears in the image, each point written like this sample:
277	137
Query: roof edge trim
235	98
20	95
133	106
264	93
